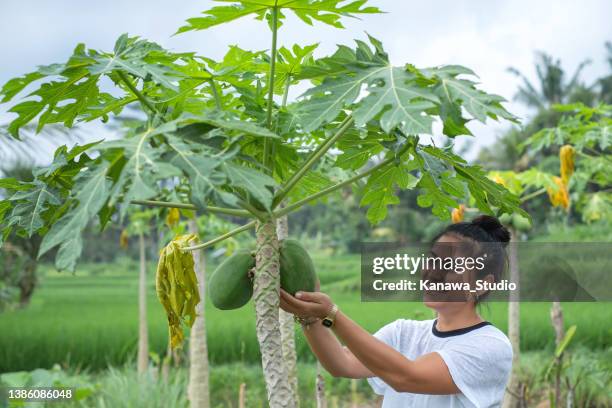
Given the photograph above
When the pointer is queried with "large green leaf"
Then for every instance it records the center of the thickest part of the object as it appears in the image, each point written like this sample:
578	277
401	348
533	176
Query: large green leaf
31	204
229	124
289	65
447	179
381	190
325	11
455	92
253	182
407	102
144	165
91	193
400	97
71	91
138	57
202	169
358	146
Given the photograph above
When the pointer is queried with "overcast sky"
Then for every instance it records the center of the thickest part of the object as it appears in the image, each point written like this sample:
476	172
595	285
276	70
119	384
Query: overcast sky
487	36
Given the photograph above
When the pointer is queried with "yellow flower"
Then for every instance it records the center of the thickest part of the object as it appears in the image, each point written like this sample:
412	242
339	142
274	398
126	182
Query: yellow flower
559	197
123	239
566	156
457	214
173	217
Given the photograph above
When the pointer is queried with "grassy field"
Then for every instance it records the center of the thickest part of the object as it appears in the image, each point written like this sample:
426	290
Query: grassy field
89	319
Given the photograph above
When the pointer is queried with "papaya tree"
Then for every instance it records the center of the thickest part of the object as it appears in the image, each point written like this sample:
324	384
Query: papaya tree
582	132
139	226
226	136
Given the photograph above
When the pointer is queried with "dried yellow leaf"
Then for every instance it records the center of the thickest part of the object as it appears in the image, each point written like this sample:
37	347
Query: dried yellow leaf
566	156
177	286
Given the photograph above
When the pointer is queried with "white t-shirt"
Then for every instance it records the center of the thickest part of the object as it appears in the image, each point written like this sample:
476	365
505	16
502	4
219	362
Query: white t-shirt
479	359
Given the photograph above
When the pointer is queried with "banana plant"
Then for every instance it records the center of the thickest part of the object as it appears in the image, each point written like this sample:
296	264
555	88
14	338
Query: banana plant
225	136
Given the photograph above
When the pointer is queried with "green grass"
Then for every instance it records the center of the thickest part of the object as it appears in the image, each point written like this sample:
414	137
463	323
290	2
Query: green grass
121	387
89	320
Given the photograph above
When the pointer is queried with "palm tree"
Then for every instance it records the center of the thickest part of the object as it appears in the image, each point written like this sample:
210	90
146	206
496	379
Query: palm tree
605	83
552	87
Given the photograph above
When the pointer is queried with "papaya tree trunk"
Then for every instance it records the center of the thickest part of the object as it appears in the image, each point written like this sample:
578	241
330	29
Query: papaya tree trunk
143	335
556	317
514	319
287	326
320	388
266	296
27	282
198	389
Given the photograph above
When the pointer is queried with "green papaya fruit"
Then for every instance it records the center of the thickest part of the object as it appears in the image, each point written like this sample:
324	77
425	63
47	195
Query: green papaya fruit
521	223
297	272
506	219
230	285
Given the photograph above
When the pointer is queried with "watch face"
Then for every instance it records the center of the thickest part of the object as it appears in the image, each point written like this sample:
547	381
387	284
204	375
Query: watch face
327	322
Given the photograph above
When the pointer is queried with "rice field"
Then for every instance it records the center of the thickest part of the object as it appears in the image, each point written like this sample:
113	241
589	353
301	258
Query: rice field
89	319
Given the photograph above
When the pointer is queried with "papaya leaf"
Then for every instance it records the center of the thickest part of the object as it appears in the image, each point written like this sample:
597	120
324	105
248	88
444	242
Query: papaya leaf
91	193
71	91
357	148
325	11
14	184
31	204
289	65
138	57
255	183
403	97
396	89
312	182
144	166
202	169
537	179
16	85
229	124
434	195
380	190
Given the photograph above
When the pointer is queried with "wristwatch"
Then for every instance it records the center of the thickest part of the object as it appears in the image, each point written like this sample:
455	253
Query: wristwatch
328	321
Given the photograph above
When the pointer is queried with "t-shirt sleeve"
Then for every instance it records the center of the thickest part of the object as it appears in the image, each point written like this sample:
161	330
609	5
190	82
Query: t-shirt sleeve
388	334
480	367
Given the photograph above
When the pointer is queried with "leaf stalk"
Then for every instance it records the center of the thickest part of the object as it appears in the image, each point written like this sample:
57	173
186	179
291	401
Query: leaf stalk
223	237
213	210
314	157
143	99
292	207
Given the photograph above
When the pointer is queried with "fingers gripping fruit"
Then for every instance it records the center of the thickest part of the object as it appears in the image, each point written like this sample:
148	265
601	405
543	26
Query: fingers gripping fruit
296	268
230	285
177	286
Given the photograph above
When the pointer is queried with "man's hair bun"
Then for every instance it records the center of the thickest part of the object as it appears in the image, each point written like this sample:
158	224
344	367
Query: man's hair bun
493	227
